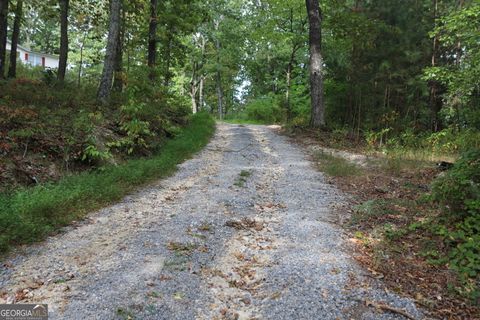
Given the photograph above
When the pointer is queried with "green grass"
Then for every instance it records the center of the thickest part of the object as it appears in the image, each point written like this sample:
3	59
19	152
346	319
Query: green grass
29	215
242	178
336	166
245	173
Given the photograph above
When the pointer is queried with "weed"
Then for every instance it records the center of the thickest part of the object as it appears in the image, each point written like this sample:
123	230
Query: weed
205	227
336	166
125	314
245	173
181	248
197	235
177	263
178	295
244	224
242	178
151	309
239	183
153	294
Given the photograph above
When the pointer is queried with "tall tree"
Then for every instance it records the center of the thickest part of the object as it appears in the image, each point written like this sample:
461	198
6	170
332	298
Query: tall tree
316	64
105	86
152	39
218	76
435	102
3	35
118	67
12	69
62	62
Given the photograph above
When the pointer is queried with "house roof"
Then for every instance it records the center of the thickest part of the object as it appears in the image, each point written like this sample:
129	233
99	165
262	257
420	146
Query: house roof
34	52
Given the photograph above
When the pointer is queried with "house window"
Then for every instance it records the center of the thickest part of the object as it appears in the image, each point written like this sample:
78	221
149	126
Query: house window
43	62
26	56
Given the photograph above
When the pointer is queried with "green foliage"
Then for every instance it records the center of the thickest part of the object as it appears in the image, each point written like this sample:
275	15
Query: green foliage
164	111
58	122
92	153
136	131
447	142
242	178
65	123
457	33
458	191
29	215
265	109
300	104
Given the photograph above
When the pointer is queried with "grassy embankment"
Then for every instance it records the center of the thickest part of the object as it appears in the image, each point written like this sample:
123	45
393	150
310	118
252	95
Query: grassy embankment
30	214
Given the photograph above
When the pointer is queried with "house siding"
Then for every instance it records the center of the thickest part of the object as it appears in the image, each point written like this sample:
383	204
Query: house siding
35	58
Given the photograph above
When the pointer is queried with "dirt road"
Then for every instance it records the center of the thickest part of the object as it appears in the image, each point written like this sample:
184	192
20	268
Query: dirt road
242	231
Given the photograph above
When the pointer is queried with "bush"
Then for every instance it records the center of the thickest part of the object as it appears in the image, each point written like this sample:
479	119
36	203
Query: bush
449	141
459	193
265	109
459	189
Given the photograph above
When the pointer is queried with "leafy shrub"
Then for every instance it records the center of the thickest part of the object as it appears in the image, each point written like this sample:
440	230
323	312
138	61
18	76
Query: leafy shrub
459	189
450	141
459	192
265	109
300	105
377	138
136	130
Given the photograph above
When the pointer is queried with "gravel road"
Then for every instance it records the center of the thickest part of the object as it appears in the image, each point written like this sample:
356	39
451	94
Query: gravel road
242	231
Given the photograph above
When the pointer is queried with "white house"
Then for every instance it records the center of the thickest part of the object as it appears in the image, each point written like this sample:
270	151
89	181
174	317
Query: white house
33	58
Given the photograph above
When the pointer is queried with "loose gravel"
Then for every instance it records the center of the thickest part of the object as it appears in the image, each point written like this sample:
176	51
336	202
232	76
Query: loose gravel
242	231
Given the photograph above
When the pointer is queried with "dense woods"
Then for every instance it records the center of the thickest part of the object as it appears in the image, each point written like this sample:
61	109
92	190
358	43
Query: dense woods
393	76
391	69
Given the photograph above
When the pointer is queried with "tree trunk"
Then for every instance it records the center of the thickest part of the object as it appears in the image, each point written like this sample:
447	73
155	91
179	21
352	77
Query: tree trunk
105	86
193	96
200	93
168	54
118	68
3	35
287	93
194	88
62	62
316	64
129	54
220	95
435	103
202	76
12	70
80	64
219	88
152	39
290	66
459	51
